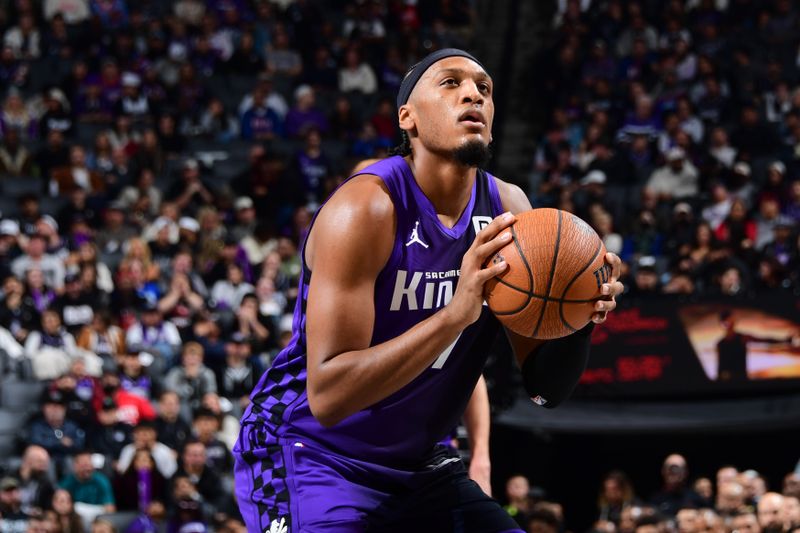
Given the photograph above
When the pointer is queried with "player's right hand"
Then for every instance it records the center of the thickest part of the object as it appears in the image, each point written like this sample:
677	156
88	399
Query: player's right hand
465	307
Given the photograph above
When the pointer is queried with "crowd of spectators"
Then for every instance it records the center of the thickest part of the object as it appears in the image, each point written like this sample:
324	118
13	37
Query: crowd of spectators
735	501
160	162
674	130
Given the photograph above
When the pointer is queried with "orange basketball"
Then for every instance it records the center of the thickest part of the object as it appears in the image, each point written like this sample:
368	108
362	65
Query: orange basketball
556	267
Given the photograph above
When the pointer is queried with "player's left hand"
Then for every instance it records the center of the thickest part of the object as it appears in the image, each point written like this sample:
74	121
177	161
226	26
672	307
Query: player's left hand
610	290
480	471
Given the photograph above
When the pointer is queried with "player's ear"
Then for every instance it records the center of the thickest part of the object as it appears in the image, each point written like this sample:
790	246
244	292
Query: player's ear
405	117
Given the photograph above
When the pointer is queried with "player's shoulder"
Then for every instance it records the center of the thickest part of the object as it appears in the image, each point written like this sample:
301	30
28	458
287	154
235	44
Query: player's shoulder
362	196
359	216
512	196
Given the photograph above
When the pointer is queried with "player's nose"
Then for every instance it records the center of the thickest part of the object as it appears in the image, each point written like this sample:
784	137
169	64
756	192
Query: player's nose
471	94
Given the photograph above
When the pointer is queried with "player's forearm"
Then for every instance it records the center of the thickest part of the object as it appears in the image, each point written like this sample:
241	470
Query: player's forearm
351	381
551	373
477	419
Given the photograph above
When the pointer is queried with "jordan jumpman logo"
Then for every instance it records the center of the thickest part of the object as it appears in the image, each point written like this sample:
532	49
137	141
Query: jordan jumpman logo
415	237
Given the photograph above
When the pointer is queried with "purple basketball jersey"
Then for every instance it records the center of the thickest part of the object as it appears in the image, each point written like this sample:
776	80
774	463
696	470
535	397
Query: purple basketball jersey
419	278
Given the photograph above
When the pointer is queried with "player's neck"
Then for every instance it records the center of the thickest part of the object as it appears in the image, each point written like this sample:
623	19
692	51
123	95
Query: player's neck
447	184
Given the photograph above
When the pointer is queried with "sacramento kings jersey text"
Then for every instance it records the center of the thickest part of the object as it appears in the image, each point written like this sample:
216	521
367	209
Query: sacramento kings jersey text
419	278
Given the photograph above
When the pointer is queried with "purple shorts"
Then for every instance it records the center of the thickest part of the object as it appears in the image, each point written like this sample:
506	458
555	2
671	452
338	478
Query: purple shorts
294	486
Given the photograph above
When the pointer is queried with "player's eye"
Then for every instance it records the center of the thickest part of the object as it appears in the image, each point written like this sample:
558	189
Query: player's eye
485	88
450	81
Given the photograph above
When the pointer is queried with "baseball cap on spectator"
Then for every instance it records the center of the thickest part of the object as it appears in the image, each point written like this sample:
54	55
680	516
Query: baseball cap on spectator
778	166
50	221
302	91
8	483
682	208
148	306
116	205
131	79
161	223
784	222
238	338
676	153
72	276
243	202
189	224
594	177
53	396
646	262
191	163
9	227
742	168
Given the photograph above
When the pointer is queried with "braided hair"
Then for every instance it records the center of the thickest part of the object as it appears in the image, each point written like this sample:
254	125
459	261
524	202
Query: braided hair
404	148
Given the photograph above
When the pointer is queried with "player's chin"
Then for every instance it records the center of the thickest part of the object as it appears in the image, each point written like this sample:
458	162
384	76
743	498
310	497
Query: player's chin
473	151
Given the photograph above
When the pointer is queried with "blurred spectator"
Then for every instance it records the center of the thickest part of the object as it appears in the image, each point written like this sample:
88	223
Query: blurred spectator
109	435
767	218
66	518
135	378
517	488
192	379
272	99
678	179
131	409
15	160
36	257
616	493
50	348
152	334
675	494
206	426
770	513
281	59
305	114
145	439
35	480
90	489
140	484
13	517
356	75
313	167
259	122
745	522
730	498
53	431
190	188
237	376
75	305
18	313
171	428
193	466
103	338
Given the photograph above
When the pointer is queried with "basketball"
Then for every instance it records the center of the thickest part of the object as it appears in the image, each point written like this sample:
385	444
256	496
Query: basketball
556	268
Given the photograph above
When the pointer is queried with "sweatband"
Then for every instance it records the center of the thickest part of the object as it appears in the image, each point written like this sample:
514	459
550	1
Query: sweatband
415	73
551	373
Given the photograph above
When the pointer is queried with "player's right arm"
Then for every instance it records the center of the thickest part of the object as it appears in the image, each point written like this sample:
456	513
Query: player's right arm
349	245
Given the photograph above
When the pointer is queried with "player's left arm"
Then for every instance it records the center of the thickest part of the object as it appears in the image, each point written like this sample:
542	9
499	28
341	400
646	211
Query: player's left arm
477	420
551	369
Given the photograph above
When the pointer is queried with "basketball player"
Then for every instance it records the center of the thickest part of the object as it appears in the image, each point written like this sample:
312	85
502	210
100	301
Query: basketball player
477	414
391	334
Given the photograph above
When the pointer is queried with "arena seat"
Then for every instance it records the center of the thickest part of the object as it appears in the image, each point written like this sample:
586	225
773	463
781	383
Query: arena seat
20	396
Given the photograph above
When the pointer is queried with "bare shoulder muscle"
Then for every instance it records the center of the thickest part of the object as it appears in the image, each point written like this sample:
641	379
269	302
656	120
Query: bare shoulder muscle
355	228
513	197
